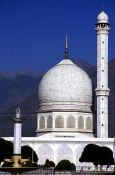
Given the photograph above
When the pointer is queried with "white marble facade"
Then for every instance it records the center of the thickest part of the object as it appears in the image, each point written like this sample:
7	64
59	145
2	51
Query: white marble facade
58	148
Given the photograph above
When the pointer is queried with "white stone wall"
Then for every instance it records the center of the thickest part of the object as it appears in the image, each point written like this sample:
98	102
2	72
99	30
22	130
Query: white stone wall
58	148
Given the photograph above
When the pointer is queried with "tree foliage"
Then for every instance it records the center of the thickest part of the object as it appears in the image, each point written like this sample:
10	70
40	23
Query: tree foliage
49	163
97	155
65	165
28	153
6	151
29	163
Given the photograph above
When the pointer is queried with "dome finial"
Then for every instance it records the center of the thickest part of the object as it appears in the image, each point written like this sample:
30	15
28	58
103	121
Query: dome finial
66	47
18	110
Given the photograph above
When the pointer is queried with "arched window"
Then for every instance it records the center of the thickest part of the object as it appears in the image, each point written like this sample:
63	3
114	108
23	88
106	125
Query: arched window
80	122
88	123
78	151
44	152
42	123
71	122
64	152
49	122
59	123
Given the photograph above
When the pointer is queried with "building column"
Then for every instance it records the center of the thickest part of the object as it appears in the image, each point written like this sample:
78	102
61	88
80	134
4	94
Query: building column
38	119
84	119
65	122
45	122
76	122
53	122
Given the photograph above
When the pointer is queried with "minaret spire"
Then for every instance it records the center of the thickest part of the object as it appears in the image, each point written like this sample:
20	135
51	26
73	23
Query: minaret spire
102	6
66	47
17	138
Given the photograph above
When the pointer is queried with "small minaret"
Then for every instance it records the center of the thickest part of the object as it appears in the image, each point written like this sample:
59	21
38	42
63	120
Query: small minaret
17	138
102	90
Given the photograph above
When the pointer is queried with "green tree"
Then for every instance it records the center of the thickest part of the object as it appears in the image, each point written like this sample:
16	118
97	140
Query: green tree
65	165
106	156
6	149
90	154
49	163
28	153
29	163
97	154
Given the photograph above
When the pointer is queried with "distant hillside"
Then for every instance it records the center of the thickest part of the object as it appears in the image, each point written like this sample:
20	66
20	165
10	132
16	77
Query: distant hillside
29	105
84	65
28	111
14	89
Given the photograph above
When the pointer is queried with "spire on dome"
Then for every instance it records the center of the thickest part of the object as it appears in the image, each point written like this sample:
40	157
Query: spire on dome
66	47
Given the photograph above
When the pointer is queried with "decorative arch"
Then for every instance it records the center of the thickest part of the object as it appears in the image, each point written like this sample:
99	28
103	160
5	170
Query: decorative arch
64	152
80	122
78	152
49	122
42	122
71	122
88	123
45	152
59	122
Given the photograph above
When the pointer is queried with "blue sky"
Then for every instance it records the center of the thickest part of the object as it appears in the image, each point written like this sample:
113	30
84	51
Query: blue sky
32	32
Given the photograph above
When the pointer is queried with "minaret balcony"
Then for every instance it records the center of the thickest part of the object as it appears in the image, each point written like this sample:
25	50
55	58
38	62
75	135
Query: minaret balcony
103	92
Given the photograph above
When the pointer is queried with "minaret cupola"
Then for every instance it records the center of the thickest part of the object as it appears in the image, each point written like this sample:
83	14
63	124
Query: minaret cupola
102	22
102	18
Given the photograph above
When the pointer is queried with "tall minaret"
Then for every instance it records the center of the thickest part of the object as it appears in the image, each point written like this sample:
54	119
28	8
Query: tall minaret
102	90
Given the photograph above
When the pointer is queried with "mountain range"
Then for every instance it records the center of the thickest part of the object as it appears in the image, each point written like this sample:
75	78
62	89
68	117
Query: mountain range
20	89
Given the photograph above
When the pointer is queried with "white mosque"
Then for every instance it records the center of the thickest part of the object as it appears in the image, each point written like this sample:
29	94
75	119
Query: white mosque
65	116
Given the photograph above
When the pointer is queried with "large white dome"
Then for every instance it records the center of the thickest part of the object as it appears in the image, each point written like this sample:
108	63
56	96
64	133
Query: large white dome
65	87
